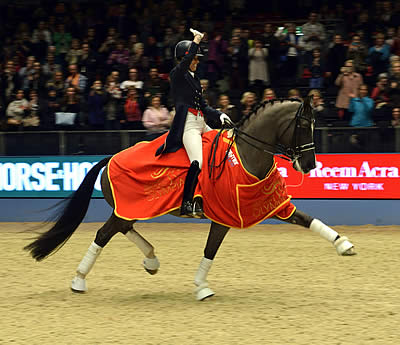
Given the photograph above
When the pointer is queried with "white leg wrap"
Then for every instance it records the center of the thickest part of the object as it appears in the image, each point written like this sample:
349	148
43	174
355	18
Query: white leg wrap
151	264
202	272
145	247
89	259
323	230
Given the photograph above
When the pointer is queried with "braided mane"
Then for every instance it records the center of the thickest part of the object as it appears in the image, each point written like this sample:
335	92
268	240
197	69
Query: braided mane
262	105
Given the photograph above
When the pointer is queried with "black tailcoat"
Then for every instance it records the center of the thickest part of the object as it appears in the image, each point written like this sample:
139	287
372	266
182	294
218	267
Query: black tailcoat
187	93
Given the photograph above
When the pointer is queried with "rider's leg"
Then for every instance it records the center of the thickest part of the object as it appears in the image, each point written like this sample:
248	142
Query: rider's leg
194	147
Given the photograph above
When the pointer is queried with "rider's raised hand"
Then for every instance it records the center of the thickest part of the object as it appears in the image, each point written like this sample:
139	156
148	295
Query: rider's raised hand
196	33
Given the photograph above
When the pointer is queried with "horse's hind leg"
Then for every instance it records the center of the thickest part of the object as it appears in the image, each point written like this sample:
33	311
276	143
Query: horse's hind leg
150	263
342	244
103	236
215	237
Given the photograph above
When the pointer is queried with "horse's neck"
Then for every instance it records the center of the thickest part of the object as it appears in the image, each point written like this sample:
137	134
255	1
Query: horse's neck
256	161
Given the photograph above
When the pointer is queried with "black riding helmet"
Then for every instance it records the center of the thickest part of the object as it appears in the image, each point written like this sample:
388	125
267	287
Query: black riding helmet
182	48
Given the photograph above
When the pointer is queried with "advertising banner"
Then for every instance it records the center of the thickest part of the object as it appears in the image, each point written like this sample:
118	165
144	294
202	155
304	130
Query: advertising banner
45	176
346	176
336	176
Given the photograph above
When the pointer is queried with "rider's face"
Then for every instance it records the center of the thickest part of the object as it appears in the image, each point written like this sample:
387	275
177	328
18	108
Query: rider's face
193	64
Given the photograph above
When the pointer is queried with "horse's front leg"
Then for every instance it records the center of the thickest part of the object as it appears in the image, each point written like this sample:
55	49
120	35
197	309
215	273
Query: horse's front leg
215	237
342	244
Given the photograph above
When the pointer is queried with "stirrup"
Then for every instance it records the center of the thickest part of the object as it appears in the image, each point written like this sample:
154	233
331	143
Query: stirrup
197	209
187	209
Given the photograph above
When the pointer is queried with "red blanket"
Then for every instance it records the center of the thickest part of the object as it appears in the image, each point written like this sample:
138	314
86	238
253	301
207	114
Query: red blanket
145	186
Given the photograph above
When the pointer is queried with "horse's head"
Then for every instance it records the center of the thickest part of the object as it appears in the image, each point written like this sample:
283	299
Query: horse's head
302	146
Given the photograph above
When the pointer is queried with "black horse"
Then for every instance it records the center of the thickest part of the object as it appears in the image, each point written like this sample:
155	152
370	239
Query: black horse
282	127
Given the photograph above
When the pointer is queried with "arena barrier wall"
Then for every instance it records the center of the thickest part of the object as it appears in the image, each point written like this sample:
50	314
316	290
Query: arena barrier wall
350	189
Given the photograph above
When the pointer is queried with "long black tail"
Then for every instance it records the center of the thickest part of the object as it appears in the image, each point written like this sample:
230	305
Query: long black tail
69	219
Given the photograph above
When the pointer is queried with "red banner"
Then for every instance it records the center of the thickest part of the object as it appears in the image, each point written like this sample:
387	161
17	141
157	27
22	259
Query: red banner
346	176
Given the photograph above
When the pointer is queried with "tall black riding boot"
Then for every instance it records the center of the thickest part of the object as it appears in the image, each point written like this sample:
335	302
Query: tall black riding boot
188	208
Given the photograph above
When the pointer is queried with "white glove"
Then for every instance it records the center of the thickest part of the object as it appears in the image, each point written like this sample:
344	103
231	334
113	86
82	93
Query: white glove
224	118
195	33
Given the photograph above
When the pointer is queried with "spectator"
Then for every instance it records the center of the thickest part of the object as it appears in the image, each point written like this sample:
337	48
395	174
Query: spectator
209	95
57	83
113	106
217	50
378	55
119	58
294	94
27	69
74	54
258	68
248	102
132	111
357	52
96	102
68	117
320	111
50	66
62	41
268	95
154	85
348	82
238	62
41	31
156	118
361	106
380	91
31	120
50	107
317	70
314	36
225	106
133	81
336	58
16	111
76	80
36	80
290	50
9	82
168	45
395	117
88	63
271	42
396	43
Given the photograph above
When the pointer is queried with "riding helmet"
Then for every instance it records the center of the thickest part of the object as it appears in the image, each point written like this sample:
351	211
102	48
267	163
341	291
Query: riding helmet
182	48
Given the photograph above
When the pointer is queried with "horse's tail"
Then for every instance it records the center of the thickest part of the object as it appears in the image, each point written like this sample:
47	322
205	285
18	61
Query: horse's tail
69	218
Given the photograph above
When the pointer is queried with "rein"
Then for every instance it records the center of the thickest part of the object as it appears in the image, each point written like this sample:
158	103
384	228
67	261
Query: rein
290	154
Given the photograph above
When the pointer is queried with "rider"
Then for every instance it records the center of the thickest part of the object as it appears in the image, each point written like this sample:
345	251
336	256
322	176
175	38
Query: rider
188	124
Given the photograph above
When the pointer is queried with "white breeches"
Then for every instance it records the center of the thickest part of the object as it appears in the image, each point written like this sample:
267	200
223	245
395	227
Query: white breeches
195	126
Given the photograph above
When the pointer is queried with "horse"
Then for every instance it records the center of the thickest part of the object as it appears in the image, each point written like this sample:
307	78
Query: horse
283	127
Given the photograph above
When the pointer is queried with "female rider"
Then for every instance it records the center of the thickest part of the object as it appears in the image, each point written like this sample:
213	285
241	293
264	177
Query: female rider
189	124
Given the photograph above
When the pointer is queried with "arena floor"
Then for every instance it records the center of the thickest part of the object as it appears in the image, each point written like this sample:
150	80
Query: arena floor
274	284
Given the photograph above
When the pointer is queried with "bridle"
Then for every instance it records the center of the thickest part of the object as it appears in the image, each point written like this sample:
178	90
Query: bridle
291	153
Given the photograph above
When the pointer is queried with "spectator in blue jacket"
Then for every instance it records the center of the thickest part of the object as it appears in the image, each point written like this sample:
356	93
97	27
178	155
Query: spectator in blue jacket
361	107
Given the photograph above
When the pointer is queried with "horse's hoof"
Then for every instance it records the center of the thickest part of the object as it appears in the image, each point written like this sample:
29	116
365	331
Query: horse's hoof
78	285
151	265
204	294
152	272
203	291
344	247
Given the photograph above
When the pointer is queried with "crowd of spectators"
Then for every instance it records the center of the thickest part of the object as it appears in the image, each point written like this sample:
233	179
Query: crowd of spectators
74	66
